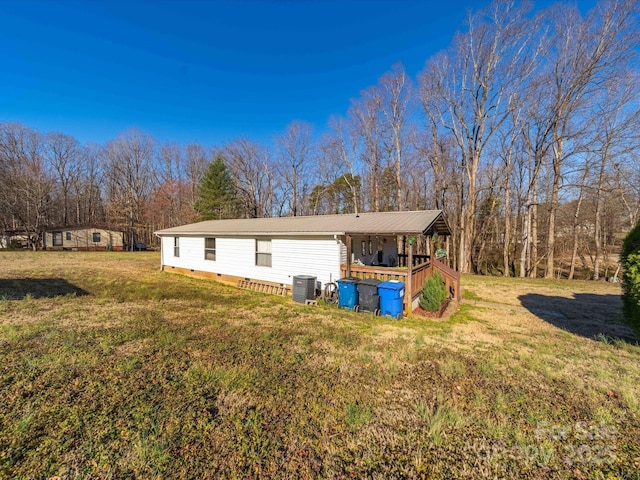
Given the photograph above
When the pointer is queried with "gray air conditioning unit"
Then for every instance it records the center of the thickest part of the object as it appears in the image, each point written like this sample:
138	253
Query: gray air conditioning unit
304	288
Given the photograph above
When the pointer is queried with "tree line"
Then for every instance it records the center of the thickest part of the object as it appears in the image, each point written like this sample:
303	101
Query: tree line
525	131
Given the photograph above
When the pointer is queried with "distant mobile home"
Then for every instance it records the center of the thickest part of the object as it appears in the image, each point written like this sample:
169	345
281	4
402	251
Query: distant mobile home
83	238
15	238
274	250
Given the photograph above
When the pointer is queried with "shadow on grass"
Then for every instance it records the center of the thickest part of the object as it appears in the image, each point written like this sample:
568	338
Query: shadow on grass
20	288
586	314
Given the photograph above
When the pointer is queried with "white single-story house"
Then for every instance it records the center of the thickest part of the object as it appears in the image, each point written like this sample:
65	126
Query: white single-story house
83	238
274	250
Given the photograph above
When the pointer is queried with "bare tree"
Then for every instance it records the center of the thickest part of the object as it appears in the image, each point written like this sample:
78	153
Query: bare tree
171	200
197	160
576	216
395	104
26	192
295	158
583	54
251	167
63	154
509	151
129	161
617	121
536	135
467	90
340	149
88	193
626	179
365	113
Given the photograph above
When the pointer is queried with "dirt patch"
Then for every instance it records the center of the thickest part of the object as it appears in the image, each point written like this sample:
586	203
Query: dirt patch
132	347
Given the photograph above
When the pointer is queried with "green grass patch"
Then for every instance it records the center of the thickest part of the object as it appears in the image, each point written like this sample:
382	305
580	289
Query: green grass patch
470	295
357	415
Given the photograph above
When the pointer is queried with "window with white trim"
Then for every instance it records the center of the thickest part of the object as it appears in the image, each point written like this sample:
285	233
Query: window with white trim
263	253
176	246
210	249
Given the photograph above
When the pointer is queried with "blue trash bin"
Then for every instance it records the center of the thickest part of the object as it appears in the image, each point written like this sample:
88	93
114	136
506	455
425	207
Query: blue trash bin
391	298
348	293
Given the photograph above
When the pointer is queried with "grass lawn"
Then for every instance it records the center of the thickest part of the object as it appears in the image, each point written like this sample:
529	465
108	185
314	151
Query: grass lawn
110	368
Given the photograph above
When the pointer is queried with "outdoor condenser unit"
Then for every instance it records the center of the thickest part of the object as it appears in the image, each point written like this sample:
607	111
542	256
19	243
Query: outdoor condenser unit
304	288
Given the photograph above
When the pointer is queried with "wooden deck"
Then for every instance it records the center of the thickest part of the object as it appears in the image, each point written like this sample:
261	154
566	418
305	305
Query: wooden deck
414	279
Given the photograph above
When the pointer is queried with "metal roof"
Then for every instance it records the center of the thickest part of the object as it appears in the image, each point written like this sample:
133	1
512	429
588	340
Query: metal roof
96	226
378	223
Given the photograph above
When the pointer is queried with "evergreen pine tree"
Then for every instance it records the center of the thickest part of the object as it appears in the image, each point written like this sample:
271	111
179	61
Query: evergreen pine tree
631	278
217	197
433	293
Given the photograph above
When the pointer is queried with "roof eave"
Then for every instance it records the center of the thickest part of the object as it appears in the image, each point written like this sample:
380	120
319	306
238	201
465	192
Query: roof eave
162	233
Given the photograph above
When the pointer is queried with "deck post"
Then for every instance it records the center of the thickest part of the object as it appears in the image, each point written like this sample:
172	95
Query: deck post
408	289
447	247
404	247
348	272
432	250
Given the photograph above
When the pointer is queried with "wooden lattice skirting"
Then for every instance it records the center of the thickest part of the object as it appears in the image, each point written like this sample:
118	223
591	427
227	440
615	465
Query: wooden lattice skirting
262	287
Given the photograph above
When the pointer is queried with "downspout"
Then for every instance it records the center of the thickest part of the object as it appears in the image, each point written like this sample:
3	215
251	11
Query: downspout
409	286
338	240
161	253
348	272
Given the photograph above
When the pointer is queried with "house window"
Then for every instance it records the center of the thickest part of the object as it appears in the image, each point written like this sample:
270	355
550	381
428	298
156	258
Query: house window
96	237
176	246
68	235
209	248
370	247
363	248
263	253
57	239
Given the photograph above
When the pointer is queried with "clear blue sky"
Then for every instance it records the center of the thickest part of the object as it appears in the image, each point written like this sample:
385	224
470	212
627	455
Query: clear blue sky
205	71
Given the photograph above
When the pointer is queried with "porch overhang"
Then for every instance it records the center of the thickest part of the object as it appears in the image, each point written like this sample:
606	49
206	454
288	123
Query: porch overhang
436	224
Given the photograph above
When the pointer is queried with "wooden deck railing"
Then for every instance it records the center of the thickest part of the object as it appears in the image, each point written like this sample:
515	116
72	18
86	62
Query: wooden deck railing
403	259
419	274
383	274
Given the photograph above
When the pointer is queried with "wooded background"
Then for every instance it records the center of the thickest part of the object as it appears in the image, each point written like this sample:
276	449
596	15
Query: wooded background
525	131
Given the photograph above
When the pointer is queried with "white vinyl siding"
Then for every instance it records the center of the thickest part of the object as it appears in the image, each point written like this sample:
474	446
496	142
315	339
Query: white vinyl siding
263	253
316	256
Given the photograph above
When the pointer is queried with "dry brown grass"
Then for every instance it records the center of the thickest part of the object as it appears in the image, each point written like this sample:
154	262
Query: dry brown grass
117	370
585	308
507	290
